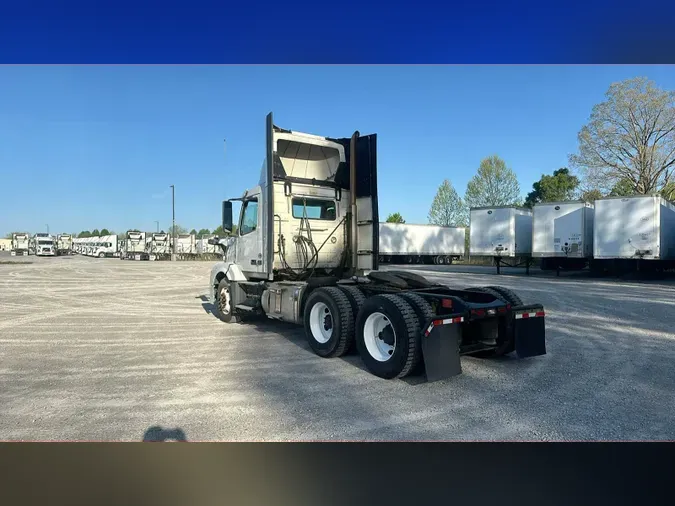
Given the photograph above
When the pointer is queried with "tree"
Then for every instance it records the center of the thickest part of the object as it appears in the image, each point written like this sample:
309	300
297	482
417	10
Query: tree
623	188
104	231
95	233
84	233
178	230
668	191
631	136
447	208
203	232
558	187
591	195
395	218
221	233
193	232
493	185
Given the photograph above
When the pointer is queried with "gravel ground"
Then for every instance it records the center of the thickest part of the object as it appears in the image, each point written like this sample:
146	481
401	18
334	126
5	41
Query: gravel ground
96	349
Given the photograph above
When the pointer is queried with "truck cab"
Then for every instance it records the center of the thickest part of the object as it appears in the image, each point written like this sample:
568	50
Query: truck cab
305	250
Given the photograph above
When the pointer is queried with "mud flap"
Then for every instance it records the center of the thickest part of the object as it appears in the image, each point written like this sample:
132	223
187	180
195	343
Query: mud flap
440	350
529	331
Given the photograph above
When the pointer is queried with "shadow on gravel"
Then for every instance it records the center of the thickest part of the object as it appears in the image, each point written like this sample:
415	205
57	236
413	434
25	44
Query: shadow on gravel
156	434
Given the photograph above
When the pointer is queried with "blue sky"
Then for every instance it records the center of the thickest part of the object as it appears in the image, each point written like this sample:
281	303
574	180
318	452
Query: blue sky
84	147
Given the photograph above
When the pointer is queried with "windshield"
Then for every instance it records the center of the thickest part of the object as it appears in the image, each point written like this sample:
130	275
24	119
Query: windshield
44	242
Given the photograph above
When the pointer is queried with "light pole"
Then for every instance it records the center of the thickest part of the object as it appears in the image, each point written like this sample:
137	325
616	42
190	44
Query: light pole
47	228
173	219
157	226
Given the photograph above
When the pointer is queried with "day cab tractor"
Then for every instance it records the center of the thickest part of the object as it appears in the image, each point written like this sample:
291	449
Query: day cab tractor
306	251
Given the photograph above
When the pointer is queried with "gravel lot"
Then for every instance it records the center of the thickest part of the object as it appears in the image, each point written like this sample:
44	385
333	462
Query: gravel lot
103	349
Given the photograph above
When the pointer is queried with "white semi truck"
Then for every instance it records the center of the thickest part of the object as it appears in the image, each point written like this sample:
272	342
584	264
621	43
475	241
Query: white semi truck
562	234
64	244
105	246
134	246
306	251
21	244
44	245
408	243
159	246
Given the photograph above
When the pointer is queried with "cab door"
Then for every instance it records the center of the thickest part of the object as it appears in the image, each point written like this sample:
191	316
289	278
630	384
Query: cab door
250	232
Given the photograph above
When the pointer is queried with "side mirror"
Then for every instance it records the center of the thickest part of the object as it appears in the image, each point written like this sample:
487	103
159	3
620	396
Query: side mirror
213	240
227	216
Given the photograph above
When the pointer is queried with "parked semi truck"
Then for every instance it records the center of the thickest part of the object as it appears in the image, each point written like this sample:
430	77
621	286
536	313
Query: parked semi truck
105	246
562	234
134	246
430	244
159	246
306	252
64	244
44	245
21	244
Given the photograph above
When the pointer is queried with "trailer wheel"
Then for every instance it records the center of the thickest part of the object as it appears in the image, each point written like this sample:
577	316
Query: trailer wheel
224	310
448	260
329	322
388	336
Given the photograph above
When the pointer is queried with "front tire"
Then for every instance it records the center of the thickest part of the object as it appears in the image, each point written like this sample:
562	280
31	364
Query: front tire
224	310
388	336
329	322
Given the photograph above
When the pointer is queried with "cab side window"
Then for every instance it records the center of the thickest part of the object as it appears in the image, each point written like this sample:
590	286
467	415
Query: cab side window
249	217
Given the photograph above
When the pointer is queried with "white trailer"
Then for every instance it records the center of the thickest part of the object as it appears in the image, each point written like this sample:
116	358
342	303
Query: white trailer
409	243
134	246
44	245
20	244
562	234
158	246
501	232
631	228
64	244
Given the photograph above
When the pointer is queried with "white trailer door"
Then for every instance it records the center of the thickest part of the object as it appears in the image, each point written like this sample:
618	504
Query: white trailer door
568	227
641	227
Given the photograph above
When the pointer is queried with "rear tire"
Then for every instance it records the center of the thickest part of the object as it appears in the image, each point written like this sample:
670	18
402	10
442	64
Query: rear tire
329	322
388	336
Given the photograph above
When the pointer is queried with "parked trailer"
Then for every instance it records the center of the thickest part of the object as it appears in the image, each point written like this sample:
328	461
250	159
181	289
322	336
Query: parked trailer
306	252
410	243
502	232
633	232
159	246
134	246
562	234
64	244
21	244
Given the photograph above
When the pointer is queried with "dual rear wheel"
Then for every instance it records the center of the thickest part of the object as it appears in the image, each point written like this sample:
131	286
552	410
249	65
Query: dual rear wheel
385	329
